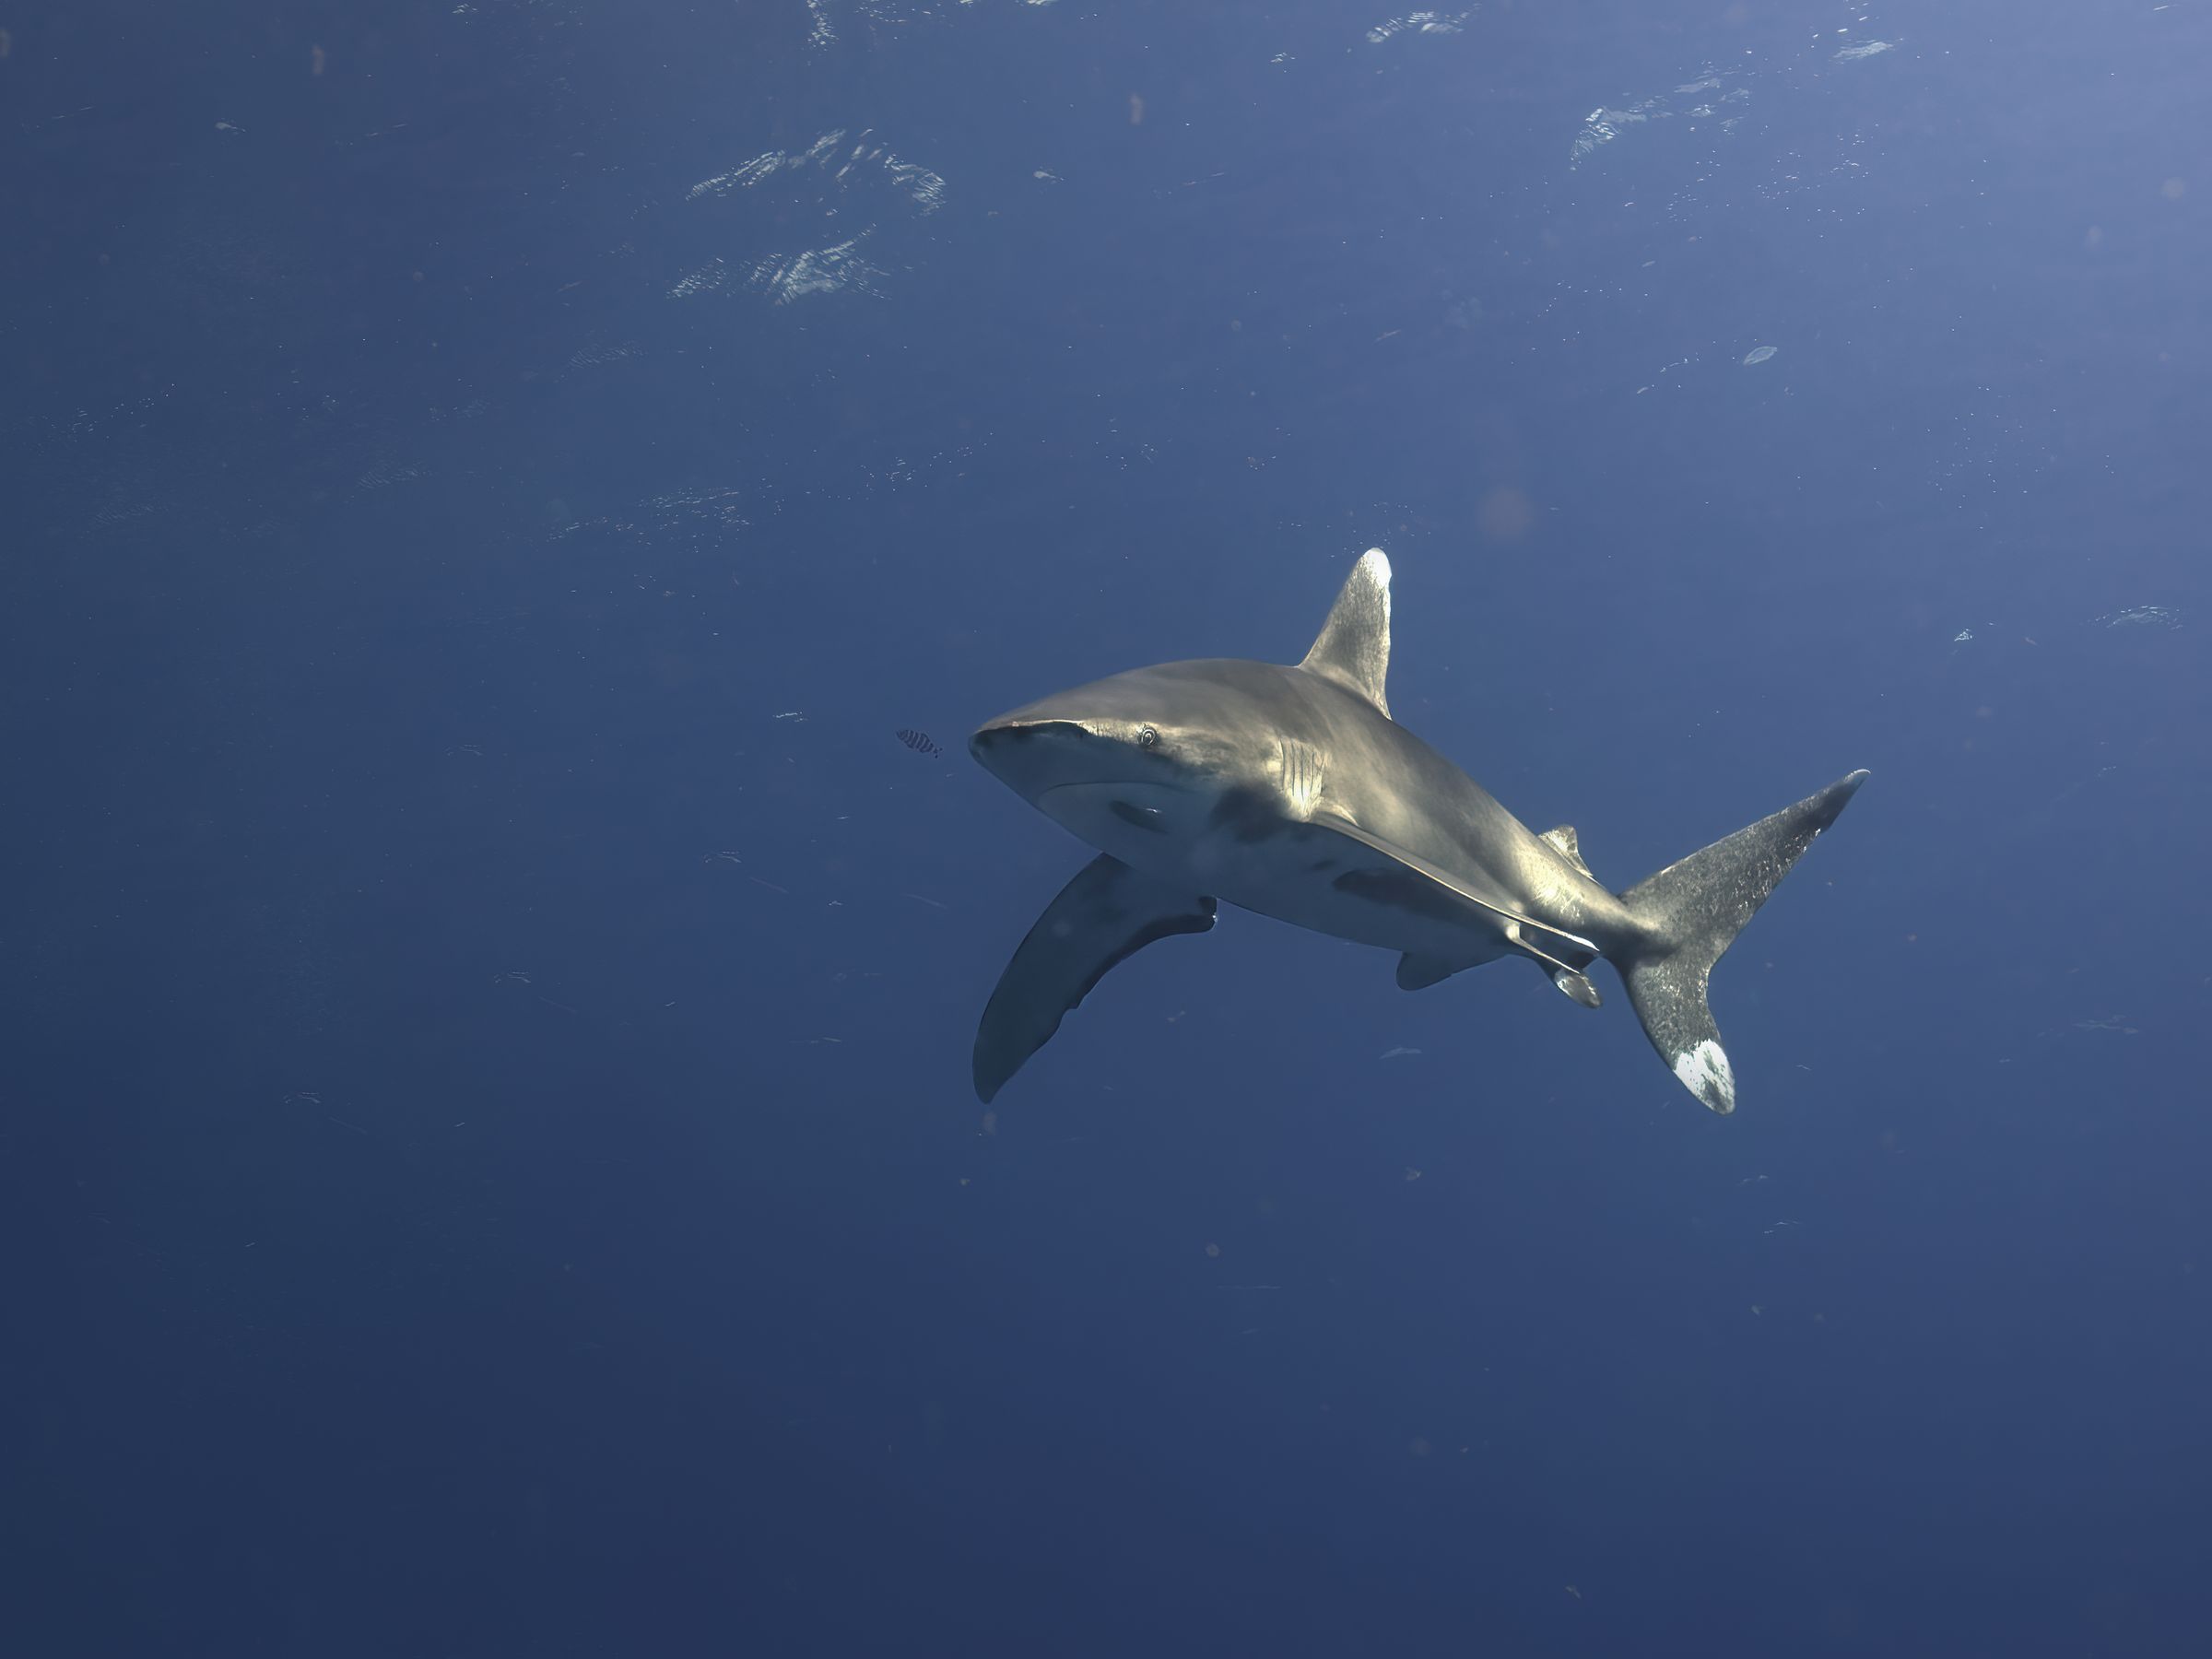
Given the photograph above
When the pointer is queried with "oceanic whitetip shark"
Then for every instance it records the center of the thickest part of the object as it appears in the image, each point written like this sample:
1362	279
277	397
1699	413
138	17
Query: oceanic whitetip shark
1290	791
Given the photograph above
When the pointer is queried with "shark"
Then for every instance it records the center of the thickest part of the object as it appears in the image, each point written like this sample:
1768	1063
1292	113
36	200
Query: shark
1288	790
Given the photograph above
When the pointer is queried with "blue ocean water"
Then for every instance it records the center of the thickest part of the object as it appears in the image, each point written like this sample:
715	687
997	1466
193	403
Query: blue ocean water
489	1153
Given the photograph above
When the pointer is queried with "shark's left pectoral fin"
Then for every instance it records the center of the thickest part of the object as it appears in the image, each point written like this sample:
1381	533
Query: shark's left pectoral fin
1108	912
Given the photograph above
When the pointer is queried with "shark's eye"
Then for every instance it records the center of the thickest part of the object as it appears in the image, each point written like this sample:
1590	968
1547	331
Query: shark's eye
1147	736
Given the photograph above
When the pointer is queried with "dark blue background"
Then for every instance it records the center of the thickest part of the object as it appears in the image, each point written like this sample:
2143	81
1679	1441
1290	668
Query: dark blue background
451	1212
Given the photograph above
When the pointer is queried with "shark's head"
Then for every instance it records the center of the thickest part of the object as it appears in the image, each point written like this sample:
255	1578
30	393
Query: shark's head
1143	755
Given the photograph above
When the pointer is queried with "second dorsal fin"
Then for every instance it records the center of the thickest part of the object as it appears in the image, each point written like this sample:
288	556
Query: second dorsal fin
1563	841
1354	646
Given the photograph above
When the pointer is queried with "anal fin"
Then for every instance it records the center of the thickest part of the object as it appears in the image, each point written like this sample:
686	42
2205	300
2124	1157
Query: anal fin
1576	985
1419	972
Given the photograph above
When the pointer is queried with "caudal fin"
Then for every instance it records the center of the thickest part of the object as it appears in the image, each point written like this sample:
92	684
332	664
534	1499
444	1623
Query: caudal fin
1690	913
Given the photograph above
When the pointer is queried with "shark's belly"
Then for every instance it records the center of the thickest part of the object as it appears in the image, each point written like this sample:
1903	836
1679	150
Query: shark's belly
1151	829
1298	872
1315	878
1320	888
1326	912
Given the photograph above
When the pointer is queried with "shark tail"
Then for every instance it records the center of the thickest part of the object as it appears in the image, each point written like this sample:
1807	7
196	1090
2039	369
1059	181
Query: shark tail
1689	914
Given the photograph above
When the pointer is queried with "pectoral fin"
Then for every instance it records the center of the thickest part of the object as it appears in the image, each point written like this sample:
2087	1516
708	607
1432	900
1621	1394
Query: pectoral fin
1107	912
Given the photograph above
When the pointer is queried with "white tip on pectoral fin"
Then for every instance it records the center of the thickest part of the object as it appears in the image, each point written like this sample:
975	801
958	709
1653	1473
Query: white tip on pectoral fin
1705	1072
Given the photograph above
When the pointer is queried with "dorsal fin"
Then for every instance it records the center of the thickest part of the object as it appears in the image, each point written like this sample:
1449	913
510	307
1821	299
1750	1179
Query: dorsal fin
1562	838
1354	646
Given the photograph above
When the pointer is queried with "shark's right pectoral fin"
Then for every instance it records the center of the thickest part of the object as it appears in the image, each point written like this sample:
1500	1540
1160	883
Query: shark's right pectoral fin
1107	912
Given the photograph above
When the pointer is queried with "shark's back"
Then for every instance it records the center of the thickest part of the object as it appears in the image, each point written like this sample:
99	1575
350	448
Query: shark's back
1368	768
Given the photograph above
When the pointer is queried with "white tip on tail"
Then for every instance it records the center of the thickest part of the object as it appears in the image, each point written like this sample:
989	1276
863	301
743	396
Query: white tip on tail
1705	1072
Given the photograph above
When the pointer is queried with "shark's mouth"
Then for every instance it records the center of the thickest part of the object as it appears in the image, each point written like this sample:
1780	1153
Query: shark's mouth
1087	808
1158	795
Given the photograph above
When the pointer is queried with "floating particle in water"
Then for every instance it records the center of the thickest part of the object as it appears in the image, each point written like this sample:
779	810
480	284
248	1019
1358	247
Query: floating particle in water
921	743
2141	615
1420	22
1759	354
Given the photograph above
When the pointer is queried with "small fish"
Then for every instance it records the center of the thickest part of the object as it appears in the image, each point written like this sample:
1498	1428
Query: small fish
921	743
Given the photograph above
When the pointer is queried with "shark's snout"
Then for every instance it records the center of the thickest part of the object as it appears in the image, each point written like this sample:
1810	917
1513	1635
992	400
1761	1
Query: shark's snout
1031	753
1012	733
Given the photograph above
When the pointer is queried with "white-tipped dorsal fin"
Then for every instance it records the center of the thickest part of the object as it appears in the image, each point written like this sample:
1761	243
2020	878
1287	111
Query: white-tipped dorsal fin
1562	838
1354	646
